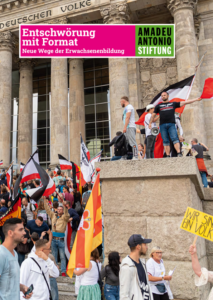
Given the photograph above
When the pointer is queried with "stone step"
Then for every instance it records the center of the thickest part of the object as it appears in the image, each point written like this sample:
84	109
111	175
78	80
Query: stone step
65	280
66	287
67	296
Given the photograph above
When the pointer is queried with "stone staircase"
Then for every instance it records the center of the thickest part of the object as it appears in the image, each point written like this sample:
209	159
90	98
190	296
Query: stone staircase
66	288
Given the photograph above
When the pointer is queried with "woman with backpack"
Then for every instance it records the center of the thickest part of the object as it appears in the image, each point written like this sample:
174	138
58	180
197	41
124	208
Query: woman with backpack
111	273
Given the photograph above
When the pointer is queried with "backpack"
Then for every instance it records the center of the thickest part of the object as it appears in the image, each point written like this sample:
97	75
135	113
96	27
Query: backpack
120	145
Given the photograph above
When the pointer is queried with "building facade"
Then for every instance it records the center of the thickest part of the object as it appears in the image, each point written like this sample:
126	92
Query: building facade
47	103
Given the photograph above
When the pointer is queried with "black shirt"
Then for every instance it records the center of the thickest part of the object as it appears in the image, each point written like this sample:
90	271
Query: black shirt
167	111
142	278
199	148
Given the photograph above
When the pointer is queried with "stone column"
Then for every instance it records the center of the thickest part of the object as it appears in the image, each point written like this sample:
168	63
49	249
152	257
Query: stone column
25	109
205	43
59	106
76	107
59	109
187	60
6	48
118	71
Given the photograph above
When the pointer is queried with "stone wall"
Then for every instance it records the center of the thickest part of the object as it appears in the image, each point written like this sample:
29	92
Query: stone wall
150	198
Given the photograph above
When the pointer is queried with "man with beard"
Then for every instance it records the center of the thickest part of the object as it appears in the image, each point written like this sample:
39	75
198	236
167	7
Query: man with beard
129	127
10	286
166	110
134	282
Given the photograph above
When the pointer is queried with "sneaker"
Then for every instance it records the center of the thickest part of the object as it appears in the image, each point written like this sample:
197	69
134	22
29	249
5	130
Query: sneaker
63	274
123	158
168	156
135	158
179	155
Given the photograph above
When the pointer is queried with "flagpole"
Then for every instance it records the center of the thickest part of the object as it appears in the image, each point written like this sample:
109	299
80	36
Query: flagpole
196	69
10	166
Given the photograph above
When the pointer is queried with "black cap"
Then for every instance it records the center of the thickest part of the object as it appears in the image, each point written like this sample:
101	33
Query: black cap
137	239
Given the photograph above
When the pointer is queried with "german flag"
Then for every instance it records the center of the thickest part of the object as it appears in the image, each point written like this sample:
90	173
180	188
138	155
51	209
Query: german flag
13	212
89	235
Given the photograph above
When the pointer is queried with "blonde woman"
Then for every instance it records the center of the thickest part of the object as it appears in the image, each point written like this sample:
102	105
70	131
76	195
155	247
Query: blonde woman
157	276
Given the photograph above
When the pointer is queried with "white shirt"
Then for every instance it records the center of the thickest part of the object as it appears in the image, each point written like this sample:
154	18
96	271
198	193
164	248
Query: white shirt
28	211
127	109
146	122
31	274
178	126
156	270
91	277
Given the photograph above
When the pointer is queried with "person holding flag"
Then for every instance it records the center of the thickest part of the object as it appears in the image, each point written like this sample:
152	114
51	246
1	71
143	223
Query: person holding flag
166	110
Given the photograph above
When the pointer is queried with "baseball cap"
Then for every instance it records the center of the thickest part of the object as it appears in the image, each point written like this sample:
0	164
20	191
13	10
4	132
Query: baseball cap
137	239
149	107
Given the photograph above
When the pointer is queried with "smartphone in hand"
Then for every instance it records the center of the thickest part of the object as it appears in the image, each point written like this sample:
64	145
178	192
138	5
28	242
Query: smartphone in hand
29	290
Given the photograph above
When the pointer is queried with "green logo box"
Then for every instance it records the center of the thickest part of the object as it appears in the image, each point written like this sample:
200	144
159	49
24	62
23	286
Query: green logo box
155	40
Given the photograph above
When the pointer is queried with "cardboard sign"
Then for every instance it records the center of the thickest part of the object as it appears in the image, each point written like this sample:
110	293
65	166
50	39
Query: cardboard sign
198	223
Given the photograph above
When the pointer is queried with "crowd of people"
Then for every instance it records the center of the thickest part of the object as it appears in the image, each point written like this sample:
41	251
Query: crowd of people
127	279
126	147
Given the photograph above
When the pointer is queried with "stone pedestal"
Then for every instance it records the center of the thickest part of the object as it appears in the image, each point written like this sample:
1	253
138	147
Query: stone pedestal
187	60
118	71
6	47
25	110
76	107
150	197
59	109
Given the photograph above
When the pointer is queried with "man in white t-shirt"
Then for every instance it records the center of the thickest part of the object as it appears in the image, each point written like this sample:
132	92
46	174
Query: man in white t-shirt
150	143
29	209
129	126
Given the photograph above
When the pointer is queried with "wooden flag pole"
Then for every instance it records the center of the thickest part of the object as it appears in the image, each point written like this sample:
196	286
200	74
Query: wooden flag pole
195	240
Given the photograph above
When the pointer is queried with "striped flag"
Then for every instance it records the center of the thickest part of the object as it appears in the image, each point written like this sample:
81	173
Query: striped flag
89	235
64	163
30	171
9	176
86	168
1	162
56	170
21	167
178	92
95	159
14	211
207	89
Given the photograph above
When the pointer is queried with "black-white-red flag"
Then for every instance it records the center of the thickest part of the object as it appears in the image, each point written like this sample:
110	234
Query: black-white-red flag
9	176
21	167
178	92
64	163
30	171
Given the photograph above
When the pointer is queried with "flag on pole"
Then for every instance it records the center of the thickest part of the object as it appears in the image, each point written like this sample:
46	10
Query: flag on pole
86	169
9	176
67	240
95	159
30	171
1	162
178	92
56	170
21	166
14	211
32	167
89	234
85	149
207	89
64	163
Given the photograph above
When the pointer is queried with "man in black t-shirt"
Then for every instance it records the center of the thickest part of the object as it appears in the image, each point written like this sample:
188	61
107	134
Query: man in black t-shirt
134	282
166	109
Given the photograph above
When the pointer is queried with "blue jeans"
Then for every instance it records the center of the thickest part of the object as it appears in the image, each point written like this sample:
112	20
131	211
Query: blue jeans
116	158
59	246
204	179
111	292
54	288
169	130
21	258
